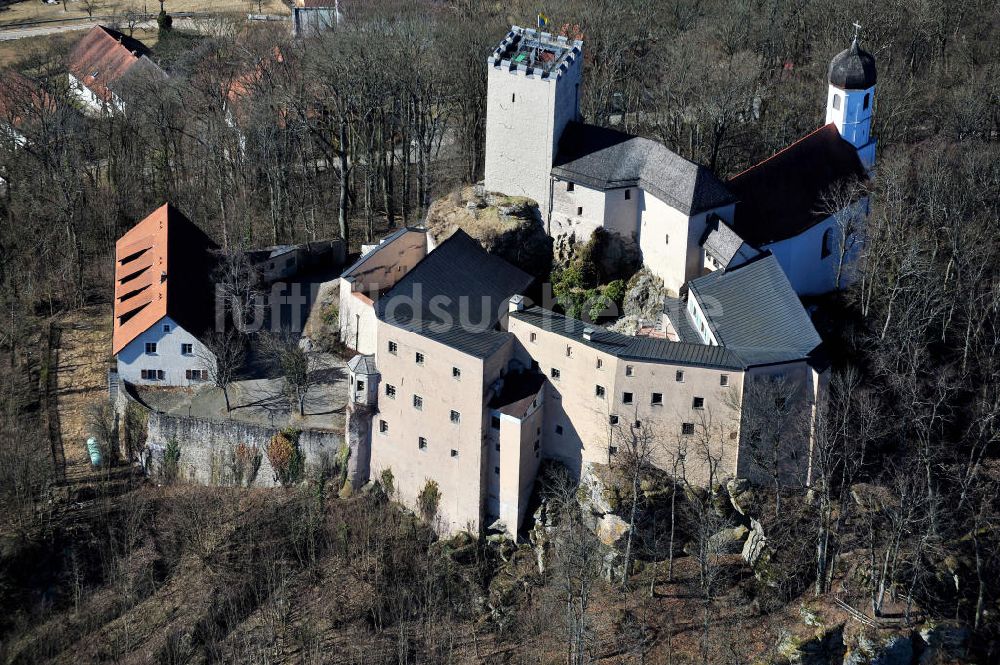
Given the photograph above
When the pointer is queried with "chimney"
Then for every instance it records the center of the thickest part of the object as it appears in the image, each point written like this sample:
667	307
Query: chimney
588	334
516	304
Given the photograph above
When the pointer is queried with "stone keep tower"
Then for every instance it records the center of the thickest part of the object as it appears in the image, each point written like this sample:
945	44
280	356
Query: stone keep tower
362	405
533	91
850	97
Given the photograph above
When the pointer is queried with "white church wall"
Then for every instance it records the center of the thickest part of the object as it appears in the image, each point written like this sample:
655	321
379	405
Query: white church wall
801	257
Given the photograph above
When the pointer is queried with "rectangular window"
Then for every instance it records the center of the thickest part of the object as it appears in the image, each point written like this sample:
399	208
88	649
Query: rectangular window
166	327
383	426
687	429
657	399
196	375
612	450
600	363
419	358
628	194
533	337
456	417
361	385
495	422
698	403
723	380
579	211
393	347
418	402
513	97
679	376
628	370
554	373
187	349
421	443
569	351
536	444
150	347
496	470
613	419
570	186
454	453
626	398
456	373
390	391
559	429
666	239
599	391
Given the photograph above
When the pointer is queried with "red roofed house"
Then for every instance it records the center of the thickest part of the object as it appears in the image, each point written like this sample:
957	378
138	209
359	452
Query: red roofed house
100	64
21	100
164	302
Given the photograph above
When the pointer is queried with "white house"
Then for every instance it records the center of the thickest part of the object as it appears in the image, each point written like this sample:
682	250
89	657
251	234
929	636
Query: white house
164	301
101	64
684	219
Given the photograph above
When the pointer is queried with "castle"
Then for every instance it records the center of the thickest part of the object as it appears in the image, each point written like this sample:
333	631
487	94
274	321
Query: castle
460	380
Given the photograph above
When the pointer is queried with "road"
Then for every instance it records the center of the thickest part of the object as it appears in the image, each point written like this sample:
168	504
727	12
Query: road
52	27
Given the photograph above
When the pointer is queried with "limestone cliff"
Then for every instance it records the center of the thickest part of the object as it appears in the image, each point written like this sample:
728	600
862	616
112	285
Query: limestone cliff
507	226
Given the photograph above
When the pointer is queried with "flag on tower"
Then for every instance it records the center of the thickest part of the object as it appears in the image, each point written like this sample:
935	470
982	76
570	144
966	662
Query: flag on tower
543	20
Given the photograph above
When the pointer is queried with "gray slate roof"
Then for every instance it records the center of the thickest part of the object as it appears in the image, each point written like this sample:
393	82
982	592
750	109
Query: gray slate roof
676	311
853	68
602	158
754	311
646	349
362	364
724	244
455	296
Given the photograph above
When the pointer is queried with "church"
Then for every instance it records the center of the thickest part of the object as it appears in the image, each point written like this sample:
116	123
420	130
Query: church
804	204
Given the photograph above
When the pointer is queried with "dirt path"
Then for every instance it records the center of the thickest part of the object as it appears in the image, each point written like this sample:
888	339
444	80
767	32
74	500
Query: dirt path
82	347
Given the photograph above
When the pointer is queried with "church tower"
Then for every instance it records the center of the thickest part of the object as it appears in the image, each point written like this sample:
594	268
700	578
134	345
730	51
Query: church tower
850	97
533	92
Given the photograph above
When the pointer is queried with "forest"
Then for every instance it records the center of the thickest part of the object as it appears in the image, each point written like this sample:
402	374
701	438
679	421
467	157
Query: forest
262	139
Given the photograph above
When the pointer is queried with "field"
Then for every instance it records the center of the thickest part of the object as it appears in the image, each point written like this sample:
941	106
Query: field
35	10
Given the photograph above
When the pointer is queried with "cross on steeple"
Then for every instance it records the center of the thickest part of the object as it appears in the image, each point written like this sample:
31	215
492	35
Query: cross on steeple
857	30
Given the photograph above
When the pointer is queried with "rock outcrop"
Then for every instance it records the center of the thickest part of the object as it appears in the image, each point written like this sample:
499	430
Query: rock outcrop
643	301
507	226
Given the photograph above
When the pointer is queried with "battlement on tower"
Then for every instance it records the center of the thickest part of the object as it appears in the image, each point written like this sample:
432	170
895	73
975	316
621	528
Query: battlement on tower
530	52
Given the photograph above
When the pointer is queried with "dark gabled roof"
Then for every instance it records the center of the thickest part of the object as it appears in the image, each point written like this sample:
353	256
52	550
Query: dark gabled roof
602	158
676	311
783	195
853	68
517	393
754	311
646	349
723	244
455	296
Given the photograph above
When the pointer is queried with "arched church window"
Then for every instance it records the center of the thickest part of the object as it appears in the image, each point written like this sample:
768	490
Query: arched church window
836	102
868	96
827	247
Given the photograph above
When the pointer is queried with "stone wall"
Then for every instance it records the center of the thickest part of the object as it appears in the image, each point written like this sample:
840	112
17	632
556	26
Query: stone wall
208	449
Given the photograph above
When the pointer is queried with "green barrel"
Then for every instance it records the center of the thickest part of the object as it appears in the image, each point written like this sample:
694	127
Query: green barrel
94	450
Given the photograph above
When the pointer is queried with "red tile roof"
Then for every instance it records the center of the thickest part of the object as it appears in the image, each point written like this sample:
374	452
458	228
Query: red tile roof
20	98
782	196
163	266
103	57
